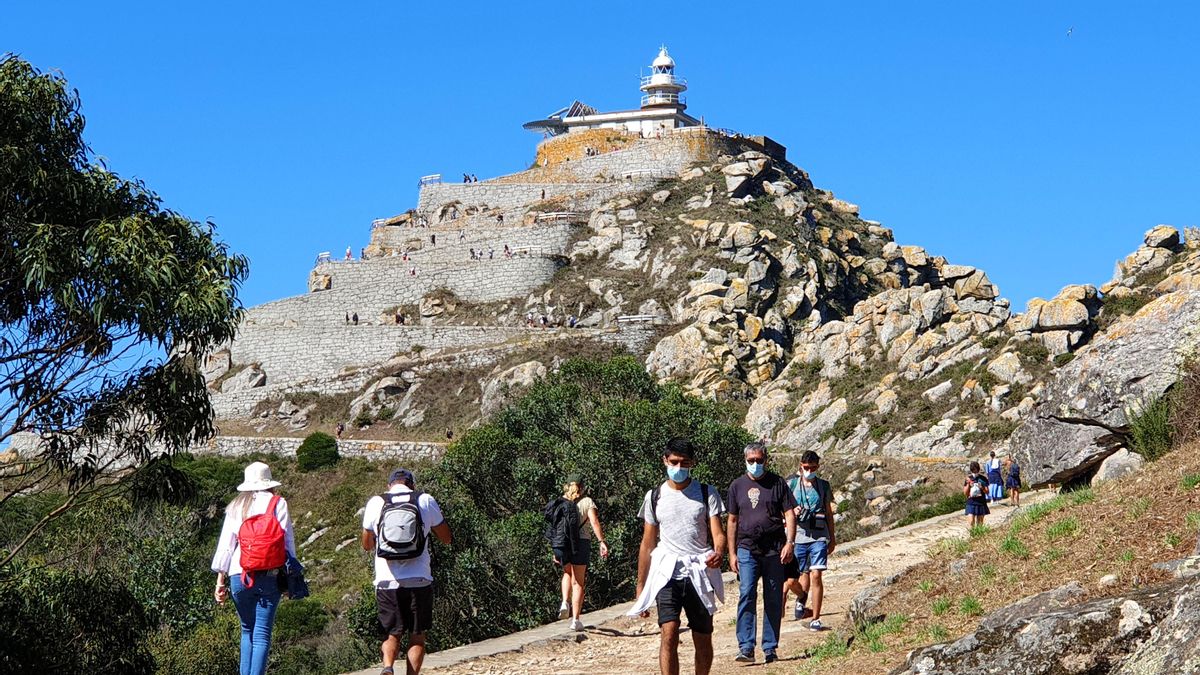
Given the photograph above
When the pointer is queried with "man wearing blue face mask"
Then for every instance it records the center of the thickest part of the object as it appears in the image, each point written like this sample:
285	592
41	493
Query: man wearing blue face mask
679	563
761	534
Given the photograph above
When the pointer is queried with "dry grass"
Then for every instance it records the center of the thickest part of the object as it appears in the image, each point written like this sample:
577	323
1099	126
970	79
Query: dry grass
1122	528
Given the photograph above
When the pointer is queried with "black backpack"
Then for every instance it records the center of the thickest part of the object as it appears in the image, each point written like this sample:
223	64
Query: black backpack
562	523
400	533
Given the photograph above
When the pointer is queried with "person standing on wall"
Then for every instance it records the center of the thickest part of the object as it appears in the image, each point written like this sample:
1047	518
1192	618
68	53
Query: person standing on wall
815	539
256	539
396	527
761	532
572	521
679	562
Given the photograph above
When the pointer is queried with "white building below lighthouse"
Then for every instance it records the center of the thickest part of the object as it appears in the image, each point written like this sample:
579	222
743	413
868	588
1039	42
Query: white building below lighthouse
662	108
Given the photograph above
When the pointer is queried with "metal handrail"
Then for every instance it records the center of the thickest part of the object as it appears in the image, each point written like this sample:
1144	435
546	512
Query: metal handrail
431	179
556	215
646	79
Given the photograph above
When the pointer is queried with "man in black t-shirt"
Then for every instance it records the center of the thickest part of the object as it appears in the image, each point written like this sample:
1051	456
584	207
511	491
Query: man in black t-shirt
761	535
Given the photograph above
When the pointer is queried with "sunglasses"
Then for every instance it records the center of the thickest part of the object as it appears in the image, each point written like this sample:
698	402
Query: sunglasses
756	461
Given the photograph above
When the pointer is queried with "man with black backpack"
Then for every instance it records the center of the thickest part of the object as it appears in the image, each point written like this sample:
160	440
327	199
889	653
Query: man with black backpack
396	528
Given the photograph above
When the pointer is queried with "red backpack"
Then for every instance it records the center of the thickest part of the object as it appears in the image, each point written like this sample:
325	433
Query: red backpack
262	544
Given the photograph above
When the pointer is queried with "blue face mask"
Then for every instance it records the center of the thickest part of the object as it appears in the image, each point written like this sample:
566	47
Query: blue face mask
677	473
755	470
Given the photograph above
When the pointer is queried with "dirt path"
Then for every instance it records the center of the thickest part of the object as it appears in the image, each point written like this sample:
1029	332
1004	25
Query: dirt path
630	644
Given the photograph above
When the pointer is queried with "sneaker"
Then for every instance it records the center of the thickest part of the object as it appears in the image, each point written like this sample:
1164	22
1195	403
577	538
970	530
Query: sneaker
815	625
770	657
563	612
576	624
745	657
798	611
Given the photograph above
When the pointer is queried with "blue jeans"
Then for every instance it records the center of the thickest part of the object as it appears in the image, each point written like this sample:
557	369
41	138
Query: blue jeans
256	609
751	568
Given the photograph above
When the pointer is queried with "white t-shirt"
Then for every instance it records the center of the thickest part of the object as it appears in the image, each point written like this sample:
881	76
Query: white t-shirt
228	557
682	520
406	573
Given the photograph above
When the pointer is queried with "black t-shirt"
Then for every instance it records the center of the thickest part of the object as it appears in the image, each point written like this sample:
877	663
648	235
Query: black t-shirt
759	506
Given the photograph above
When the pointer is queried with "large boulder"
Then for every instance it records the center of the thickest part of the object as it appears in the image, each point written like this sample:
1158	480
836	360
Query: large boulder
501	387
250	377
1046	636
1120	463
1083	417
1172	647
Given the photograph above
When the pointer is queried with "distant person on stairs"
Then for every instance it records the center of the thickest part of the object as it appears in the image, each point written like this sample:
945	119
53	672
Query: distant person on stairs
255	540
571	523
975	490
761	533
816	538
396	528
679	562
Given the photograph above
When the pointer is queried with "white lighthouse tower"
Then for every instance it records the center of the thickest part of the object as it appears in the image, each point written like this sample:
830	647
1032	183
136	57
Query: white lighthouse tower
661	87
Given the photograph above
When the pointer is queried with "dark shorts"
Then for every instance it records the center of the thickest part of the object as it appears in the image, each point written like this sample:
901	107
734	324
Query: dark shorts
405	610
678	597
1012	483
583	551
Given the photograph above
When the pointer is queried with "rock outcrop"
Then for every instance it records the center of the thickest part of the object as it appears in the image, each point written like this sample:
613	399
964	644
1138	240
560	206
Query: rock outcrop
1051	633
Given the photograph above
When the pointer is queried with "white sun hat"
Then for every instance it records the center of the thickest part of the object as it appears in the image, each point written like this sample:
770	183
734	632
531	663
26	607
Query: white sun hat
258	477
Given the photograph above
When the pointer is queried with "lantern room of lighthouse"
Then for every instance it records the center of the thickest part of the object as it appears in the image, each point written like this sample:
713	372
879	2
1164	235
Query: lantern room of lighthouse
661	87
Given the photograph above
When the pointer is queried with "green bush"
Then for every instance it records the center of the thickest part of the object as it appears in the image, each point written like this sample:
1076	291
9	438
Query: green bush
65	621
951	503
298	619
1064	359
211	649
318	451
1150	428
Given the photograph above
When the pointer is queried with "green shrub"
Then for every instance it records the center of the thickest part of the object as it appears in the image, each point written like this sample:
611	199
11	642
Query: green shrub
1113	306
318	451
65	621
1150	428
211	649
298	619
1064	359
386	413
940	606
949	504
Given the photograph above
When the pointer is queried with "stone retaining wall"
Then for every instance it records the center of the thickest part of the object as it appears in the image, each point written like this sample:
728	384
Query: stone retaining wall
371	287
549	236
401	451
506	196
28	445
291	353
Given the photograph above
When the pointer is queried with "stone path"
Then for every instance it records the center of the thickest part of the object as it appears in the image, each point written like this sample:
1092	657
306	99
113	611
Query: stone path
615	643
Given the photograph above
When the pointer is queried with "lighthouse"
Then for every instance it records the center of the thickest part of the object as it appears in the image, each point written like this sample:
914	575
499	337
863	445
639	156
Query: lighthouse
661	111
661	87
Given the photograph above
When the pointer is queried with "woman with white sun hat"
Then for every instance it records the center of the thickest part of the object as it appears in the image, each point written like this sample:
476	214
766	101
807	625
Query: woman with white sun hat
255	541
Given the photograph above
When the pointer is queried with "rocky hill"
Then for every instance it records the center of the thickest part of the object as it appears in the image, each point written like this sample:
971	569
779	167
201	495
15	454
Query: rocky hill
719	262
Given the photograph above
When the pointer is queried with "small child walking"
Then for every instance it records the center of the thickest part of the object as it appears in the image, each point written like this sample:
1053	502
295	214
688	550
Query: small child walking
975	489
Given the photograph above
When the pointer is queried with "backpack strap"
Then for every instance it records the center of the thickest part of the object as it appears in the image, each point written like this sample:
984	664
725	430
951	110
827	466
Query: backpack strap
271	506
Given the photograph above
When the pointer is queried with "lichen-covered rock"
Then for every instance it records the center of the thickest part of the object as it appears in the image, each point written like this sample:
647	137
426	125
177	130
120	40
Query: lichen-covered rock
1089	637
501	387
1084	415
1172	647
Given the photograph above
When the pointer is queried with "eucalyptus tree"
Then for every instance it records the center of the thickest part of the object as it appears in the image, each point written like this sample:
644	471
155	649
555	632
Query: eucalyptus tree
108	303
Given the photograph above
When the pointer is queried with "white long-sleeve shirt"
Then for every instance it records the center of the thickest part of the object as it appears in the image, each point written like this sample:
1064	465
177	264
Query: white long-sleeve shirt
228	558
665	565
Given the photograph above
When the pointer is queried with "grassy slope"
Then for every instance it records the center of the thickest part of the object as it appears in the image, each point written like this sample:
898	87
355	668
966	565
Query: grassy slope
1121	528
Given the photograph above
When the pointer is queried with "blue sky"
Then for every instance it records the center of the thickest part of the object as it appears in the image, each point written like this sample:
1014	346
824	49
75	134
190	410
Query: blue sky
981	131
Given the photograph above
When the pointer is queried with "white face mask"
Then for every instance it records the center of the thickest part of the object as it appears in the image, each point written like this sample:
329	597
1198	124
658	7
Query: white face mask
808	475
